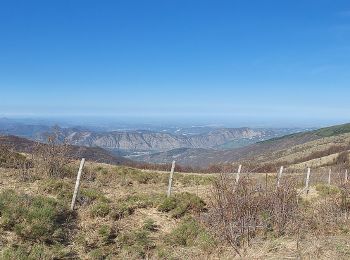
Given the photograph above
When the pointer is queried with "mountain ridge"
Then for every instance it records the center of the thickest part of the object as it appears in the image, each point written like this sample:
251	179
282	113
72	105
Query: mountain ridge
268	149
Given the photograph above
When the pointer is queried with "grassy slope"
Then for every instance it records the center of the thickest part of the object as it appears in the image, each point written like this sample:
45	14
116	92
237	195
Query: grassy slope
124	215
333	130
320	133
299	148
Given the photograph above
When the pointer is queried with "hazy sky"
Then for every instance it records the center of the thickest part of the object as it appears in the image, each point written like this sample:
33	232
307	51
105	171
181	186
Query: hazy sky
276	60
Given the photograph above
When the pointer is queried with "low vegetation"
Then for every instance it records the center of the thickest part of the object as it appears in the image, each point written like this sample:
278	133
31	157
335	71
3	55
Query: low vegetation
124	213
181	204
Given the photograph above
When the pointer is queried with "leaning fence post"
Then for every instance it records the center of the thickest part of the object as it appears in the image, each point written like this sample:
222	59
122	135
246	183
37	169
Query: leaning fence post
329	176
238	173
171	179
307	180
77	184
279	176
346	176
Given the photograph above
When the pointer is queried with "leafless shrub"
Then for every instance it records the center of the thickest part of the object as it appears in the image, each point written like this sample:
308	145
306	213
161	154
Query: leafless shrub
51	159
14	160
240	211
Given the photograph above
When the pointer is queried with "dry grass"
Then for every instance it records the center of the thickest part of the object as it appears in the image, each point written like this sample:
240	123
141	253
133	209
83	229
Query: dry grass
118	216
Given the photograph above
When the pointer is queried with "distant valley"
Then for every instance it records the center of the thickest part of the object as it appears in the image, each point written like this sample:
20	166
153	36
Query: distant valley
133	142
319	148
198	147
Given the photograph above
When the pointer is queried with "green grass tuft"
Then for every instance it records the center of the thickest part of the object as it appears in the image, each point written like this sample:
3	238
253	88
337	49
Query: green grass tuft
181	204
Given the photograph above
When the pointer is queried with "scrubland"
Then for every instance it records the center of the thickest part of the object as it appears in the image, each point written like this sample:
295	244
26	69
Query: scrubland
123	213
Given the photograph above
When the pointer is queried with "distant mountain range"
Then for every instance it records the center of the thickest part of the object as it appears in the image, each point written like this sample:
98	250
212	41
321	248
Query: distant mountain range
290	149
127	142
158	141
197	147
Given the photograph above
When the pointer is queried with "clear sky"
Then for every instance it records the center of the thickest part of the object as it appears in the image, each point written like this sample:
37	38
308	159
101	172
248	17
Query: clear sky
273	60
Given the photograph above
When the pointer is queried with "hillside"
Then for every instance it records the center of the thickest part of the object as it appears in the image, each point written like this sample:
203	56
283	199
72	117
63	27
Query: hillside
271	150
123	213
96	154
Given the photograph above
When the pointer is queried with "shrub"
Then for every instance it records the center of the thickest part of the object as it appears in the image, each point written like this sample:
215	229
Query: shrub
150	225
63	190
87	196
137	242
106	233
238	209
101	209
191	233
9	159
51	159
122	210
191	180
168	204
97	254
185	233
126	206
325	190
181	204
36	251
33	218
60	188
18	253
101	169
140	176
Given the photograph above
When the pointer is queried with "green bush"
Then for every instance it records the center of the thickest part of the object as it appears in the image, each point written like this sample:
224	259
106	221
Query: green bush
127	205
192	180
190	233
36	251
325	190
168	204
122	210
182	203
106	233
101	209
63	190
101	169
18	253
144	200
150	225
90	195
58	187
97	254
137	243
32	218
140	176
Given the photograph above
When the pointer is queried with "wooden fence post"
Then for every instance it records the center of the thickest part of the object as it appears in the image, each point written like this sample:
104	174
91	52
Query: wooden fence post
279	176
238	173
171	179
346	176
77	184
307	180
329	176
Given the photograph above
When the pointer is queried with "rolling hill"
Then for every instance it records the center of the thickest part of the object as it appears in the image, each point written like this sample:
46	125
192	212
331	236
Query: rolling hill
95	154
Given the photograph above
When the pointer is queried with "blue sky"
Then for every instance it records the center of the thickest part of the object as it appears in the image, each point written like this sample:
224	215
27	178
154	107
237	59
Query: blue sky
278	61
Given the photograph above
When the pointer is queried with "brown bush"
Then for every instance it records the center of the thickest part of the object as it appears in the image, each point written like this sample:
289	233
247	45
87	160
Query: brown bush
51	159
240	211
